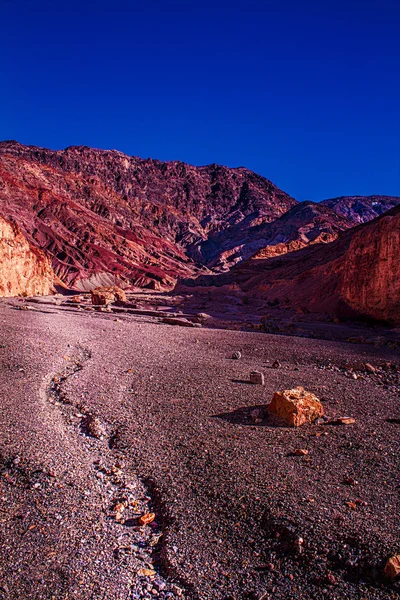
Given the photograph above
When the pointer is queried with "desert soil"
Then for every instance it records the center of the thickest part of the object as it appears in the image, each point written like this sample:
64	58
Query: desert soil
105	417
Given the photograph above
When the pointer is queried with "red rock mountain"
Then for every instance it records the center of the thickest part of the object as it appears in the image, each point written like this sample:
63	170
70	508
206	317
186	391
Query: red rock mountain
104	217
356	275
303	224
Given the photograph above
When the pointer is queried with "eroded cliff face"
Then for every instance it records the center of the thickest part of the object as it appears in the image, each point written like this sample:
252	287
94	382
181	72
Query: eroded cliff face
356	275
24	270
370	276
104	216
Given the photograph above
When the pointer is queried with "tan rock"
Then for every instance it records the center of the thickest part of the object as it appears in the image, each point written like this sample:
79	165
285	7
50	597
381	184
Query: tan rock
301	452
103	296
24	270
296	406
392	567
147	518
344	421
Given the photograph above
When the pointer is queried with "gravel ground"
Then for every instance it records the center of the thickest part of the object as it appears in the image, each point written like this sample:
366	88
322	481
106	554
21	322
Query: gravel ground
104	420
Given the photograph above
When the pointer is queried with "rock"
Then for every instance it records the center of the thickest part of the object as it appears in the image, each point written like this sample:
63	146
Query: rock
350	481
392	567
92	426
24	269
237	355
146	572
179	321
369	368
103	296
344	421
202	316
330	578
257	378
296	407
276	364
301	452
147	518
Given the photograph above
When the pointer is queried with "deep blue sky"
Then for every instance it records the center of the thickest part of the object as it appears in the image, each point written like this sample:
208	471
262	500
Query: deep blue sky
305	92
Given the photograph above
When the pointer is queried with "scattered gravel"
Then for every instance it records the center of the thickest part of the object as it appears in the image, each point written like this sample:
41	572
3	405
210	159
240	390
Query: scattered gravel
243	509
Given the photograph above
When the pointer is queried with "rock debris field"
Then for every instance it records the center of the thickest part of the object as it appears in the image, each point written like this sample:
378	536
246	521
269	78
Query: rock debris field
137	460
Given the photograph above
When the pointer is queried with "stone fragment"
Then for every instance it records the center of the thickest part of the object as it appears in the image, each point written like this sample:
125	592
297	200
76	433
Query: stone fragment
237	355
296	406
93	427
257	378
392	567
301	452
147	518
350	481
276	364
344	421
103	296
146	572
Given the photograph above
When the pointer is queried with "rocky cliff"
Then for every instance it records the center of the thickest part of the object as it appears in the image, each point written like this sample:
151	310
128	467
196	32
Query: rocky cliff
24	270
370	269
104	218
356	275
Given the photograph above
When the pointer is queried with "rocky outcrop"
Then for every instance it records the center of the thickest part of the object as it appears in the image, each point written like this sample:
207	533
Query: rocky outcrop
304	224
370	269
357	275
106	218
103	296
24	270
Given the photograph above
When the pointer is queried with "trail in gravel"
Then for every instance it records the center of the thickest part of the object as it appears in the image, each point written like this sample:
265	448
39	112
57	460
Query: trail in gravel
176	416
70	508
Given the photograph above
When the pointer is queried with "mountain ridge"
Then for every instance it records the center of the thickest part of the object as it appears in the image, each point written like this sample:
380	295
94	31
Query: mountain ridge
103	216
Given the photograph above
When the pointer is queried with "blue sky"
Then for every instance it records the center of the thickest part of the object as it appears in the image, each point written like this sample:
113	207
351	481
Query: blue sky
305	93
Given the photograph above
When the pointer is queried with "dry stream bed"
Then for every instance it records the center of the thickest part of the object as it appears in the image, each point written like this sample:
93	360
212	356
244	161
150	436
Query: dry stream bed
108	418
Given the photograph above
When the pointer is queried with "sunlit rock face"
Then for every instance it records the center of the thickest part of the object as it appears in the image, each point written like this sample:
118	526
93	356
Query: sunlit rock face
370	280
24	270
356	275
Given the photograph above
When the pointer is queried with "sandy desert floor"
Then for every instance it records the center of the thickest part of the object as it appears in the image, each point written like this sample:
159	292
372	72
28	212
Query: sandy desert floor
106	417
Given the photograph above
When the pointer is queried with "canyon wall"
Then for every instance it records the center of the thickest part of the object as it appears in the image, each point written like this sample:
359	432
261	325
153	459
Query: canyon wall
370	278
